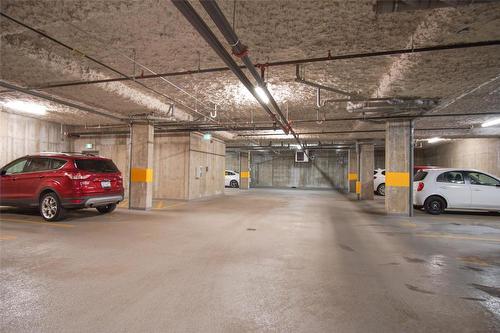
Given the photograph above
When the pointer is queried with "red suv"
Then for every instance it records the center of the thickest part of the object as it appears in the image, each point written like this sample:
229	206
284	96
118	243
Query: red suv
54	182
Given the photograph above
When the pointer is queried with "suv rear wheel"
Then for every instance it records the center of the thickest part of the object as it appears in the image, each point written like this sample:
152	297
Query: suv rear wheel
434	205
106	209
50	207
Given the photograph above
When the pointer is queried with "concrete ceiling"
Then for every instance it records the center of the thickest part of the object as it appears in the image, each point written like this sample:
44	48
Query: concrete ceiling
161	40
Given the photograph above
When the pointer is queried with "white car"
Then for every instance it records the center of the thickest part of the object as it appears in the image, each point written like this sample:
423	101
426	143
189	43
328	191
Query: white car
379	181
232	179
438	189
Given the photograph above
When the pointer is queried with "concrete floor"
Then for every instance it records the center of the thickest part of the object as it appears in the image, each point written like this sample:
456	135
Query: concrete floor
258	260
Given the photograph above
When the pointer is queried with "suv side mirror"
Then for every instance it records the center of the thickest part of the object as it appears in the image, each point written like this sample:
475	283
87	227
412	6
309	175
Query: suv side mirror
3	172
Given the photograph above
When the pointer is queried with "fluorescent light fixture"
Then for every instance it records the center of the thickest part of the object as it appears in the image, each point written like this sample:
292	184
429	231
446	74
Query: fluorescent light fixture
207	136
434	140
296	146
262	95
27	107
491	122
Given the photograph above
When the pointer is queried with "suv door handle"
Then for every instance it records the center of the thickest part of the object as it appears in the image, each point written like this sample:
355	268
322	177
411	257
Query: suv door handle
41	176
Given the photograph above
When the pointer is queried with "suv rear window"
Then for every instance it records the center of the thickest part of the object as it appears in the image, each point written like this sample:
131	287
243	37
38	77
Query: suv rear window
420	175
100	166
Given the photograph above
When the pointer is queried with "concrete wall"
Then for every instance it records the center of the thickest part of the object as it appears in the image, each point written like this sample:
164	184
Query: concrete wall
329	170
233	161
21	135
209	157
176	157
481	154
171	165
379	156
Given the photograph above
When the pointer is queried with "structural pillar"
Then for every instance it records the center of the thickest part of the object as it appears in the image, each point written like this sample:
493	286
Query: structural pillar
352	175
244	170
366	167
141	166
398	167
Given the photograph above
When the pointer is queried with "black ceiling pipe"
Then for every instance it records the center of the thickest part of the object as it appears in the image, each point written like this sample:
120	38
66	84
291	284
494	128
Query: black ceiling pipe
125	76
59	101
197	22
392	6
369	118
284	63
361	131
239	50
41	33
216	129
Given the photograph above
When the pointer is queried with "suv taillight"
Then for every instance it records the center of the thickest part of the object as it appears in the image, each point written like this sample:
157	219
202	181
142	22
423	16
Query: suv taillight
420	186
76	176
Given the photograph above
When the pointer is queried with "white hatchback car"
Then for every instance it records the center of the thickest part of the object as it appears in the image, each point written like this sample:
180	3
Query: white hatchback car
232	179
379	181
438	189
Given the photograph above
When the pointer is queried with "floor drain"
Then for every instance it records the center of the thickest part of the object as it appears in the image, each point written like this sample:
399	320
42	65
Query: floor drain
251	229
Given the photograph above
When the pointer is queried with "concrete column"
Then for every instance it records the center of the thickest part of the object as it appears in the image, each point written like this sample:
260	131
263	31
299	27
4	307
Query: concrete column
367	165
352	175
397	167
141	167
244	170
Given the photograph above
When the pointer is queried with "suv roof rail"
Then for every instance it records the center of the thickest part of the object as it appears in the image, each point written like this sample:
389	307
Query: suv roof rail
78	153
68	153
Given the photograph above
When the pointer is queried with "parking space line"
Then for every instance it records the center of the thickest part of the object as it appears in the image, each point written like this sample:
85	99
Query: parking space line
159	204
459	237
60	225
7	237
170	206
408	224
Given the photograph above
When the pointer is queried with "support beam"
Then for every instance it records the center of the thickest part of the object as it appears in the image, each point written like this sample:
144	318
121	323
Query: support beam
352	175
366	167
141	167
244	170
398	174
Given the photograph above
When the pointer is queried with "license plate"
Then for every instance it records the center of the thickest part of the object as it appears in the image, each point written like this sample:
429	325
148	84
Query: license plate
106	184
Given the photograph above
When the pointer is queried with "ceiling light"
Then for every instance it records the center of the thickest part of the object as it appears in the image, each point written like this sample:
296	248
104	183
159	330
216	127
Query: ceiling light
491	122
434	140
26	107
262	94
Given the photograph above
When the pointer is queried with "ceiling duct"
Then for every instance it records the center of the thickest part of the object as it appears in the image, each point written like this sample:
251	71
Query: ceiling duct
392	6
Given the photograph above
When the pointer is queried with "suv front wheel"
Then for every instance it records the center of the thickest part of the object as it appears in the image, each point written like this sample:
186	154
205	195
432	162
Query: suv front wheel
106	209
50	207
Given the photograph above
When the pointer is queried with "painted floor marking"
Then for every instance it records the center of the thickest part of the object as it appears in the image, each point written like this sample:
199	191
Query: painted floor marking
165	207
459	237
7	237
60	225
